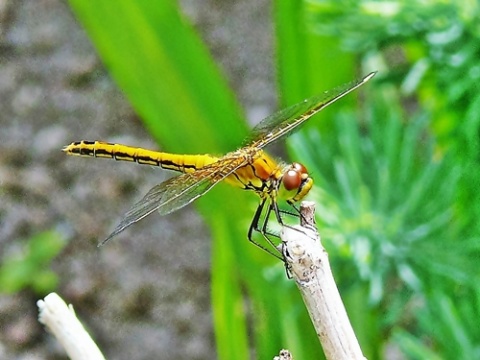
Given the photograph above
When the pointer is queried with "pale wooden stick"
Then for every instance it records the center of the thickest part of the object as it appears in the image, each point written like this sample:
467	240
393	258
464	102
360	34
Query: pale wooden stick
60	319
308	264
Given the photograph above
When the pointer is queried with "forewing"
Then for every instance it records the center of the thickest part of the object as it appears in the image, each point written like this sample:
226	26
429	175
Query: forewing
283	122
178	192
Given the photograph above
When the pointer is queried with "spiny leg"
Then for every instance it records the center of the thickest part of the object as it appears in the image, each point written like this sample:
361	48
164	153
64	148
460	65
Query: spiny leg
264	230
254	227
295	213
266	220
298	213
256	218
279	212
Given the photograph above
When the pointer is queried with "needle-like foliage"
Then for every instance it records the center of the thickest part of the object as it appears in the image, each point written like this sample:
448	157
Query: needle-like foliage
397	182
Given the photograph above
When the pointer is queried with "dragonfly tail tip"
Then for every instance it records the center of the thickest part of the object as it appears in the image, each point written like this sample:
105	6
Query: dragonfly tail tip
100	244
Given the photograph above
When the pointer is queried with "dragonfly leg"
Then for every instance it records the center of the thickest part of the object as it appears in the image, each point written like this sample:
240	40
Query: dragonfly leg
298	213
255	220
295	213
254	226
264	230
278	212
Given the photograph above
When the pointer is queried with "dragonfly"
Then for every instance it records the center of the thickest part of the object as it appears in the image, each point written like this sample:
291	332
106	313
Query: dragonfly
249	167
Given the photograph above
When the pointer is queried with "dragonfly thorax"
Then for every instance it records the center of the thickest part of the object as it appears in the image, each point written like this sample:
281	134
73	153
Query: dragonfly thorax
295	182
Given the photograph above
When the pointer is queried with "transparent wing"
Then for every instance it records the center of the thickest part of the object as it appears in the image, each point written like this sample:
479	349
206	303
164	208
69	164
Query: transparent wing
178	192
284	121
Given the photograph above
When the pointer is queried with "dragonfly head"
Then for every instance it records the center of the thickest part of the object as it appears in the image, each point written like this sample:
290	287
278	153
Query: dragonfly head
296	182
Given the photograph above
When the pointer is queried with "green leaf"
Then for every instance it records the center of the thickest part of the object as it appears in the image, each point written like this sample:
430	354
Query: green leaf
413	347
30	268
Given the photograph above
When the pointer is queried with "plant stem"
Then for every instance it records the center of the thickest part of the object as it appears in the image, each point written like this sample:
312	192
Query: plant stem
307	263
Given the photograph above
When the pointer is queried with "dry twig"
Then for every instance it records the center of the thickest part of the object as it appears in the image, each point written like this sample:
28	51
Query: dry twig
308	264
60	319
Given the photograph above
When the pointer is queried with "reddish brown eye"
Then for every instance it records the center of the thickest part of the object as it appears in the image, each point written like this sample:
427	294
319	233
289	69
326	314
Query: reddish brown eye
300	168
292	180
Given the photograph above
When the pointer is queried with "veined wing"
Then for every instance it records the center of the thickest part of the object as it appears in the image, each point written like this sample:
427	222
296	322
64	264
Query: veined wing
179	191
284	121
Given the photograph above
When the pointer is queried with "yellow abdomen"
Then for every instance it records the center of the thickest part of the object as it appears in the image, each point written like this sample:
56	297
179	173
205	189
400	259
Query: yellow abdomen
182	163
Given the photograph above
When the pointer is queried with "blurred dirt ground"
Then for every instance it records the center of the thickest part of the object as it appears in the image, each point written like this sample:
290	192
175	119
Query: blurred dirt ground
141	296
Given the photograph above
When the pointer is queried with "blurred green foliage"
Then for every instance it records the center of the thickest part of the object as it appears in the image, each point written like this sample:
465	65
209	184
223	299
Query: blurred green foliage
399	188
396	165
30	268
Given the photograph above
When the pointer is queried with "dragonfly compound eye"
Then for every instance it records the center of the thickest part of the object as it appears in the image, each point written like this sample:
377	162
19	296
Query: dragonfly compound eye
292	179
300	168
